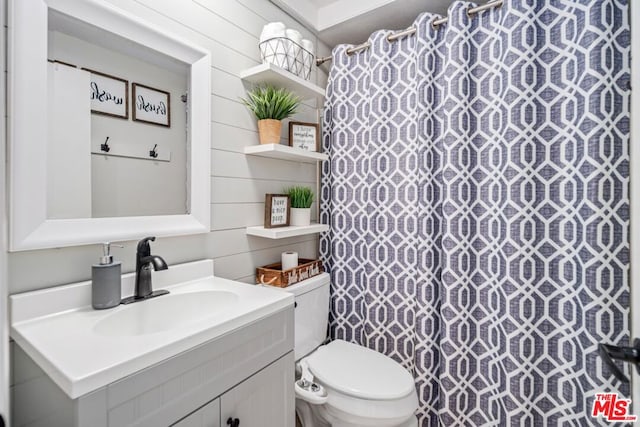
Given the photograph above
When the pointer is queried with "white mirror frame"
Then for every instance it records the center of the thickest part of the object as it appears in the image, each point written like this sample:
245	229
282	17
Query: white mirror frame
27	129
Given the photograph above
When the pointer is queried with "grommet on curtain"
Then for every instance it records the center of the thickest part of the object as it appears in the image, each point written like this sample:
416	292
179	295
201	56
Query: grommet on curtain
439	21
404	33
492	4
496	4
470	12
360	47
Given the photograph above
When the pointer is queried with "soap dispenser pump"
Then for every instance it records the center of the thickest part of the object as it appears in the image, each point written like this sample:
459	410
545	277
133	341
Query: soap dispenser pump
105	280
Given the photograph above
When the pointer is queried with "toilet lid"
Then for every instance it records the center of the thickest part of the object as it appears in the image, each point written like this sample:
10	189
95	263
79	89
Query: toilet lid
360	372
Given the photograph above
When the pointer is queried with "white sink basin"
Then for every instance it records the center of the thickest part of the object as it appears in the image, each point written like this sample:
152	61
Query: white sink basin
83	349
165	312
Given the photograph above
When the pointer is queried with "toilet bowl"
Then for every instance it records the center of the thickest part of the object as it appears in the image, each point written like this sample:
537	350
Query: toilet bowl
342	384
363	387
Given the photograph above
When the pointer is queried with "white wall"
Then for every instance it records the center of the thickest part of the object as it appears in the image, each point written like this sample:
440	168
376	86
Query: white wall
230	30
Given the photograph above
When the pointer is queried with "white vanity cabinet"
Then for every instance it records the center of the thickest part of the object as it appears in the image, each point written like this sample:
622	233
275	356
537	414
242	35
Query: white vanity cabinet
207	416
246	374
264	399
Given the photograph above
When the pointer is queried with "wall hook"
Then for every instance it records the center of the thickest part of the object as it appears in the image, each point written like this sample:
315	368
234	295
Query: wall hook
154	153
105	147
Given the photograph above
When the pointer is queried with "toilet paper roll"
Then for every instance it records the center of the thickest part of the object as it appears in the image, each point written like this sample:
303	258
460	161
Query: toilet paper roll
274	45
272	30
307	58
289	260
294	56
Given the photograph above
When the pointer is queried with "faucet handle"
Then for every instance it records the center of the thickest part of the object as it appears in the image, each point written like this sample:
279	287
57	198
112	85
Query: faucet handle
143	246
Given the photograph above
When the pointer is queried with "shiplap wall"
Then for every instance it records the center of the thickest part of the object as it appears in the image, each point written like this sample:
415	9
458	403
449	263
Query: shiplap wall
230	30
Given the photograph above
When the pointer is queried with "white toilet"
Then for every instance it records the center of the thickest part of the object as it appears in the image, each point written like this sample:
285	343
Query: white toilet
343	384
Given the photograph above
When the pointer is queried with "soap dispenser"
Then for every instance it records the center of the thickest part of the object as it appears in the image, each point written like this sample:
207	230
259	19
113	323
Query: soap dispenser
105	280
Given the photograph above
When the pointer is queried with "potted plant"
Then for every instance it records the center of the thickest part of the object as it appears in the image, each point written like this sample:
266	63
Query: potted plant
271	105
301	200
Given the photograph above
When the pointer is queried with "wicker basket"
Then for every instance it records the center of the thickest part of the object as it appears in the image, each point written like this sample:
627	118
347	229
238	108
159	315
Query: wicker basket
288	55
273	274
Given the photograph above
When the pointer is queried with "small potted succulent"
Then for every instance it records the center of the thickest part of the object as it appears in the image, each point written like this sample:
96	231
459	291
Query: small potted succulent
270	106
301	200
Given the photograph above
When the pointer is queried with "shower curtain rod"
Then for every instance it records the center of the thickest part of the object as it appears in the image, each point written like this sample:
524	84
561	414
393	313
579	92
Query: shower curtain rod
412	30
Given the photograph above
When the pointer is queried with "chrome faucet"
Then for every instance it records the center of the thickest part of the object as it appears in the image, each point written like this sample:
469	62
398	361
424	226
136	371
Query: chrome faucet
144	263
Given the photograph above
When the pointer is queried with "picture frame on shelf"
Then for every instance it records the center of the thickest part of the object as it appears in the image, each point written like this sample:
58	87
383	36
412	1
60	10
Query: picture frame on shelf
109	94
277	210
151	105
304	136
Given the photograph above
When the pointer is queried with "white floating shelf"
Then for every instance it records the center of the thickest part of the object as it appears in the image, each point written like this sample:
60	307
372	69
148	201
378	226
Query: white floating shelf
283	232
284	152
276	76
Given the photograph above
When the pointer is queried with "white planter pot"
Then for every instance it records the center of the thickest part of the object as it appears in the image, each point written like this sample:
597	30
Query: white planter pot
300	216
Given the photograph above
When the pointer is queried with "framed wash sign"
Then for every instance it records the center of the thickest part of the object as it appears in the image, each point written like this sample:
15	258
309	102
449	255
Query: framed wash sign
304	136
151	105
277	210
109	94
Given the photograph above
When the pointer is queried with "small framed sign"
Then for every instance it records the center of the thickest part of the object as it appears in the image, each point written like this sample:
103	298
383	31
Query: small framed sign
109	95
151	105
277	210
305	136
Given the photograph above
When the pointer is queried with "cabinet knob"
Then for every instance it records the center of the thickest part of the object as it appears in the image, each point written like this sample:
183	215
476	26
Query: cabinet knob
233	422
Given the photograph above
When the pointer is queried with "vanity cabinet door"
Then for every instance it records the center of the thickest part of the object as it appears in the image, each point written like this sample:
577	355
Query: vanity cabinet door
264	399
207	416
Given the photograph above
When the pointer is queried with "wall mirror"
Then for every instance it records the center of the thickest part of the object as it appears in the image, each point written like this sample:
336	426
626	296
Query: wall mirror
109	127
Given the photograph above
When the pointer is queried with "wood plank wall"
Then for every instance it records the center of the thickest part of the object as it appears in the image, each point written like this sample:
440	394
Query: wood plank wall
230	30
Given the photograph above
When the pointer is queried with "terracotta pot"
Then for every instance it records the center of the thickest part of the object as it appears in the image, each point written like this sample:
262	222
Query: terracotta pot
269	130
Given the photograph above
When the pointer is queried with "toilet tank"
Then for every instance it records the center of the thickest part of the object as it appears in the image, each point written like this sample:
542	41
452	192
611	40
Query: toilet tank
311	313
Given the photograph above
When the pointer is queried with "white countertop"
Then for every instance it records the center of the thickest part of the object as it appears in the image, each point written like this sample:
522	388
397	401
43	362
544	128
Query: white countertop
55	327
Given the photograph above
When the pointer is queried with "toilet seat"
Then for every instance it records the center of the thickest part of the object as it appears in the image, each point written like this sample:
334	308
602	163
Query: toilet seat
360	372
364	388
341	384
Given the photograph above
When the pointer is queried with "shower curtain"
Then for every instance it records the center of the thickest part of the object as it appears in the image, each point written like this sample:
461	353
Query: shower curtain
477	196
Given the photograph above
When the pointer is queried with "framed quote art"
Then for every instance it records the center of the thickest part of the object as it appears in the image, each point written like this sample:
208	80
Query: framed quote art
305	136
109	94
151	105
277	210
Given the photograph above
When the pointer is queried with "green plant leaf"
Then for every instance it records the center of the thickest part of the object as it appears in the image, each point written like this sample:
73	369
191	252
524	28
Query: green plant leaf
268	102
301	197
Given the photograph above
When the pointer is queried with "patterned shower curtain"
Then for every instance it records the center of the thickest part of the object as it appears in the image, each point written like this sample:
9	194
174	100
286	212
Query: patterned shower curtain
477	196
